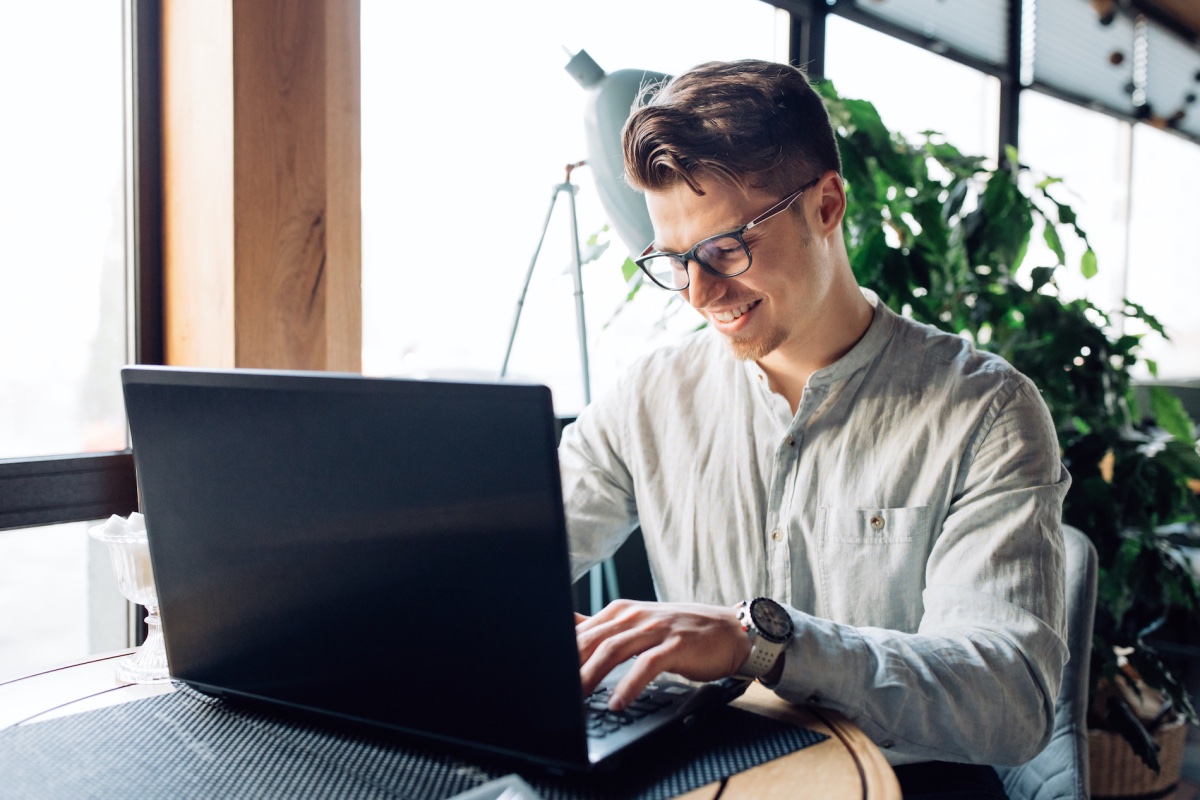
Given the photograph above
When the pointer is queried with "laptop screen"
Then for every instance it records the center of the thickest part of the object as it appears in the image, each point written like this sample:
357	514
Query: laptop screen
391	551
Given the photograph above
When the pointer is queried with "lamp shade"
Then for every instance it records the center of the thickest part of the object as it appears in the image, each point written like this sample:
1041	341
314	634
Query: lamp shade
610	97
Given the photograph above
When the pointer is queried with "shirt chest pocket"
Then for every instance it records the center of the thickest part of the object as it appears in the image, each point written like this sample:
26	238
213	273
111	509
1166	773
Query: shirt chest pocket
872	565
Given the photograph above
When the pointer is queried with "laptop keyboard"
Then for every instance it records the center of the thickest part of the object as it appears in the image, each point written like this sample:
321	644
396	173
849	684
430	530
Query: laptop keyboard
654	699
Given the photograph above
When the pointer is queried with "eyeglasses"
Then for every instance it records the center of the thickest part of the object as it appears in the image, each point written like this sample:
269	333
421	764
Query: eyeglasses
725	255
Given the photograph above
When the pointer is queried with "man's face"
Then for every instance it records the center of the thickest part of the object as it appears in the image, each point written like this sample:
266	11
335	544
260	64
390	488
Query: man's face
775	303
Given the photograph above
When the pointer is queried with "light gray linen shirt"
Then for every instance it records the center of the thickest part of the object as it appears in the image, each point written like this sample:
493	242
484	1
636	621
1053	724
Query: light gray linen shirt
908	514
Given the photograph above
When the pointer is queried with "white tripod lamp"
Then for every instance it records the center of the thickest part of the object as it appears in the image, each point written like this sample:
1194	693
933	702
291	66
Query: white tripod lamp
610	97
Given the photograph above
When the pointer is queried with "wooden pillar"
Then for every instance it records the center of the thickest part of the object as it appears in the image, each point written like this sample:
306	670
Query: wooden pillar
262	184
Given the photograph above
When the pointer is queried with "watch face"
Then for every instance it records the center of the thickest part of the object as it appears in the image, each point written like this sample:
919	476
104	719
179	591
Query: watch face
771	619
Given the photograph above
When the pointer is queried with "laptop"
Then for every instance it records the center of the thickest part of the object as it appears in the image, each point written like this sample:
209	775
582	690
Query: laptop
383	551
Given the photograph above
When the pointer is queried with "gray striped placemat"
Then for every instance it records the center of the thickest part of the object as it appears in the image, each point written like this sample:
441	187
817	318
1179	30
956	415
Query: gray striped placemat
185	745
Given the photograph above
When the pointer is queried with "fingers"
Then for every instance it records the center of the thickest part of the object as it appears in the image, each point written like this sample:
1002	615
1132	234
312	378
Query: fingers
612	651
614	619
696	641
648	666
614	610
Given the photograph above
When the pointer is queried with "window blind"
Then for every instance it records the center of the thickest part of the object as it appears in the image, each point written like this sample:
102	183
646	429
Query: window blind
1074	53
976	28
1172	75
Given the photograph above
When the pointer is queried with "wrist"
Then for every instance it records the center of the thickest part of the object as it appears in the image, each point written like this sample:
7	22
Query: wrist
742	643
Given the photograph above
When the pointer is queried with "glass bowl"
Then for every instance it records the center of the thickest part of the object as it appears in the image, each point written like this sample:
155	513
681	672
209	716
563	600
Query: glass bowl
129	550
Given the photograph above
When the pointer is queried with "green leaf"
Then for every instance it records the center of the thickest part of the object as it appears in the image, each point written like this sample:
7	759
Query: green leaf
1041	276
593	251
1066	215
1137	312
1135	411
954	202
865	118
1054	243
1019	258
1088	264
1120	718
892	156
1152	365
1048	181
638	283
1185	459
1170	416
1010	155
629	269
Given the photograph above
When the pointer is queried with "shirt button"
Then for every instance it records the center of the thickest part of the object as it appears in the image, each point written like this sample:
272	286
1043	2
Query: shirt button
886	743
814	700
877	522
777	535
791	442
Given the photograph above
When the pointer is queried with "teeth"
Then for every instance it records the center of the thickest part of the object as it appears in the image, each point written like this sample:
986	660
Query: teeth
730	316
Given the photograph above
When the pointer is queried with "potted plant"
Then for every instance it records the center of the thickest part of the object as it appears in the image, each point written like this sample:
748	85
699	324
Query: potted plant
942	237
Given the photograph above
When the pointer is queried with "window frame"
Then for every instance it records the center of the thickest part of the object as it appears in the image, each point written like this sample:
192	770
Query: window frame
46	490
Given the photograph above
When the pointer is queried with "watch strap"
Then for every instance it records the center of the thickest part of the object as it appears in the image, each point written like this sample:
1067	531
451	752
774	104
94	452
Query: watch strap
763	652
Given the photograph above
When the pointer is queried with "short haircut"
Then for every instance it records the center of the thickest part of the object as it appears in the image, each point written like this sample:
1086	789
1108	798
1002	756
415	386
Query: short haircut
752	124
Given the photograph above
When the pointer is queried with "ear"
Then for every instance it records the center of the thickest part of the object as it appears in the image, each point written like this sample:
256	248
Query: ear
830	205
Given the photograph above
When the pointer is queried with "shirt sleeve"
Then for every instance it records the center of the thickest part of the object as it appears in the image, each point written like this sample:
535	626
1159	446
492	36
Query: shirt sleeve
598	495
978	680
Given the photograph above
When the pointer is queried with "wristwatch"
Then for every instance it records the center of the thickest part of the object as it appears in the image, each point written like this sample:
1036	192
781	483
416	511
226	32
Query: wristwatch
770	628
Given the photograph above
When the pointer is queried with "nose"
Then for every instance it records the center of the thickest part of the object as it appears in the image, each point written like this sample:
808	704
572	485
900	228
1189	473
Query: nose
702	287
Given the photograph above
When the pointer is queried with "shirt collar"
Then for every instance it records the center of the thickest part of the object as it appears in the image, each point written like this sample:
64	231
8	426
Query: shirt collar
859	356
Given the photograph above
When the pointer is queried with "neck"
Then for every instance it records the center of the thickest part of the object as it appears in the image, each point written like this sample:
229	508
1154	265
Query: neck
844	319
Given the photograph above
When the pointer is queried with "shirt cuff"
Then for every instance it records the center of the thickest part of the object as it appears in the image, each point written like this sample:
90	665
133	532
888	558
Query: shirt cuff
824	665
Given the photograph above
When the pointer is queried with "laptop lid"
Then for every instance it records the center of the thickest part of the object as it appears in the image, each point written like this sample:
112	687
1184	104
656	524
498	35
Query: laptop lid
383	550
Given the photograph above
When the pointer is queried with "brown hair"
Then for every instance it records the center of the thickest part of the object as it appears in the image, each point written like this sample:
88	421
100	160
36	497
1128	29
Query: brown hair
753	124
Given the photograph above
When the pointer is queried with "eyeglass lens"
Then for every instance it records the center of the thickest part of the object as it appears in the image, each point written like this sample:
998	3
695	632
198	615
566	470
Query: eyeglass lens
724	255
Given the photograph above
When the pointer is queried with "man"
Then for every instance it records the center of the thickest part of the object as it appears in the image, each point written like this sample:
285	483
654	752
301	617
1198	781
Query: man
893	494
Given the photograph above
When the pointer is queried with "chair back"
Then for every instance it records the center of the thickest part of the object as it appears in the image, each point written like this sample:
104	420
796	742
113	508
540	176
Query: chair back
1060	772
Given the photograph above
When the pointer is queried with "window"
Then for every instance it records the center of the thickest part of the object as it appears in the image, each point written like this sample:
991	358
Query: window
68	221
58	598
465	135
1164	261
1131	187
906	84
62	281
1089	151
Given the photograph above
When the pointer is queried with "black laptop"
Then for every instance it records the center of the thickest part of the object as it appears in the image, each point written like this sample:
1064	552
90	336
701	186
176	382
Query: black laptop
385	551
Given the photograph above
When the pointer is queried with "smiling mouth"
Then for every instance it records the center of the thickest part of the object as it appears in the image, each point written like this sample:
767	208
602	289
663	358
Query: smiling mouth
732	314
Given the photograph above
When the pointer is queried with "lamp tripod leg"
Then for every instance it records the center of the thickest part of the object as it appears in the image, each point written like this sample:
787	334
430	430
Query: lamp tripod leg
512	336
577	274
602	576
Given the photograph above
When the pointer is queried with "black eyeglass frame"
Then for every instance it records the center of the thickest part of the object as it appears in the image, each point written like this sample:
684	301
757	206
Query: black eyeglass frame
737	233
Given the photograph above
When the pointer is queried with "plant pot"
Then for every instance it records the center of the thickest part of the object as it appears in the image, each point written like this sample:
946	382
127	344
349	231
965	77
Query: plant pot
1116	772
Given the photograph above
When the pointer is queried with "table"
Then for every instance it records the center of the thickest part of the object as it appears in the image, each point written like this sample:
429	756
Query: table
846	765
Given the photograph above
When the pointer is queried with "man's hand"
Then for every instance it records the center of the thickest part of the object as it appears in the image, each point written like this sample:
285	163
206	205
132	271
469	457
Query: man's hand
699	642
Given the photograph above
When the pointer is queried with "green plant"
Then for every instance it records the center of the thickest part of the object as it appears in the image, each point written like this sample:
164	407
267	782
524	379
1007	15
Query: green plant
942	237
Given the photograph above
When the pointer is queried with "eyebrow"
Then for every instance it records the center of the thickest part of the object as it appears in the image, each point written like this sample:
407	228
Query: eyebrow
722	232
